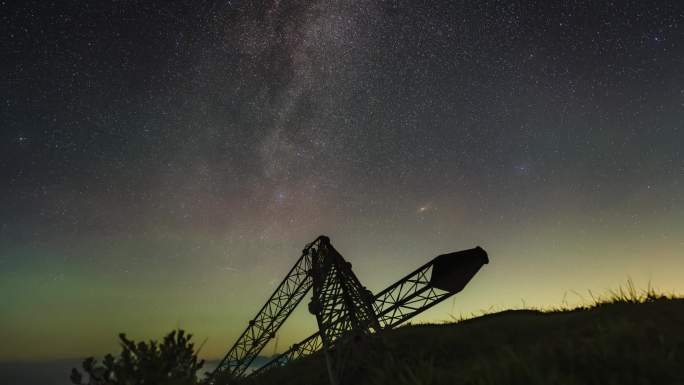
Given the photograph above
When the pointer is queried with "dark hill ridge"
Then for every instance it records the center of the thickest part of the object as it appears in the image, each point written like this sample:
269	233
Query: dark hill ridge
623	342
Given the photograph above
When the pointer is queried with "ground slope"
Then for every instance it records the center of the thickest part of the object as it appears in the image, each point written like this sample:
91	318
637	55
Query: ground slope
622	342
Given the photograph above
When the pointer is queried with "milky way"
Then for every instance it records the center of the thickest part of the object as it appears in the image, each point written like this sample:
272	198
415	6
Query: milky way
163	165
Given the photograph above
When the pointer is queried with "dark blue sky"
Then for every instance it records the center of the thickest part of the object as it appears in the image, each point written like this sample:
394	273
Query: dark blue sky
163	164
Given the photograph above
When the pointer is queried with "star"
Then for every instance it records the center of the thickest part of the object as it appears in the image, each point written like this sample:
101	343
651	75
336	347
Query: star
424	208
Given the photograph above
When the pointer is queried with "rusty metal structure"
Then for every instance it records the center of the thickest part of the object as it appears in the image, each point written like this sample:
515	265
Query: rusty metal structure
344	309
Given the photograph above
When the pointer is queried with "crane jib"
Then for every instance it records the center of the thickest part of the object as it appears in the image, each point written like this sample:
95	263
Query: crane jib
344	307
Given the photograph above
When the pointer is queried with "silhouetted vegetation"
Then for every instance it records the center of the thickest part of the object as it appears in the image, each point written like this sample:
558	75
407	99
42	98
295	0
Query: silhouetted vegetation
171	362
630	337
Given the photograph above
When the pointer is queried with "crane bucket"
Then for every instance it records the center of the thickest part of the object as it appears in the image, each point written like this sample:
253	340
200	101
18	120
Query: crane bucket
453	271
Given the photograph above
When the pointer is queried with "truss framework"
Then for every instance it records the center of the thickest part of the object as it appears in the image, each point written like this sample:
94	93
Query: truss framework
343	307
271	316
406	298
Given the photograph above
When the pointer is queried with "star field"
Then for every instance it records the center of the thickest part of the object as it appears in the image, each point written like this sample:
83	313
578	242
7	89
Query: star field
163	164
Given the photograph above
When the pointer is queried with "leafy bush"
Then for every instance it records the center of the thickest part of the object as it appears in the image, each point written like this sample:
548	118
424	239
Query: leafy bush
171	362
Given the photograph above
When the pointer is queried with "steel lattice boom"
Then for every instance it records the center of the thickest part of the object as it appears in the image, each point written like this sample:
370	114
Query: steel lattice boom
271	317
343	306
409	296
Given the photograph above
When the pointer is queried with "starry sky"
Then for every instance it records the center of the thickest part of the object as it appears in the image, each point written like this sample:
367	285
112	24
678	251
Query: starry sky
162	164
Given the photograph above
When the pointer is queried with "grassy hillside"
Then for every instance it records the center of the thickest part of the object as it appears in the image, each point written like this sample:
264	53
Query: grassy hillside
627	340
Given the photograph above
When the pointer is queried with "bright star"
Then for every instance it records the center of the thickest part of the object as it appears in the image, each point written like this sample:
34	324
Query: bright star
424	208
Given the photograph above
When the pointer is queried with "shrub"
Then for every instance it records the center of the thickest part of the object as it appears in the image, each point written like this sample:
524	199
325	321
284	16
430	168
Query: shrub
171	362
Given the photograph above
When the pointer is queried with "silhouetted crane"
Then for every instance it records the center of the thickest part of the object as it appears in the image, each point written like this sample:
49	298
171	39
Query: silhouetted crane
344	309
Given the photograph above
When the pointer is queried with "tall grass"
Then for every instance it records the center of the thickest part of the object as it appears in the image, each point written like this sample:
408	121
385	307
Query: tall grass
626	336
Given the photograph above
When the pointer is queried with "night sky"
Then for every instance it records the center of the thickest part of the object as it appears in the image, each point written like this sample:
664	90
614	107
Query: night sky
163	164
